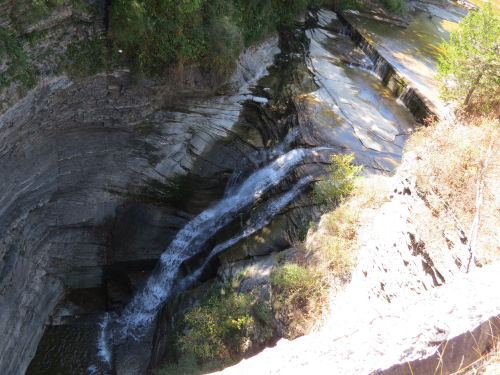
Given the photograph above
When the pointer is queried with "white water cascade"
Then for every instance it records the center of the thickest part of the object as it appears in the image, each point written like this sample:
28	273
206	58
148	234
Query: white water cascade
138	315
256	222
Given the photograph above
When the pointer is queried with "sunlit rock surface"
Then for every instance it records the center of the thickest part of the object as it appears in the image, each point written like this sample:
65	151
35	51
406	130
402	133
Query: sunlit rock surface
351	108
413	51
409	308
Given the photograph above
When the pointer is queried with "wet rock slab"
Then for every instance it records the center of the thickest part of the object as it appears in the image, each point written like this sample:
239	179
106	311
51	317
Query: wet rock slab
351	109
413	50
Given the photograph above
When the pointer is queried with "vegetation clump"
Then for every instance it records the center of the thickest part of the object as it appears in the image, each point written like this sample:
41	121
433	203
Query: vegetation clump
33	10
161	35
219	330
298	296
341	181
395	6
18	67
469	67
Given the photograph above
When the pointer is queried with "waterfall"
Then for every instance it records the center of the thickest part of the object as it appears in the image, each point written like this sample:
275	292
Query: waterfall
137	316
275	151
104	353
257	221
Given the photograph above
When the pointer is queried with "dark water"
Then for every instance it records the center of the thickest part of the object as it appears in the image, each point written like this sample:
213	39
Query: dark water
68	350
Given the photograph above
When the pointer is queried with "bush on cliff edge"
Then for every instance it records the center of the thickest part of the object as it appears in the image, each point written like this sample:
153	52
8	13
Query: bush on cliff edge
160	35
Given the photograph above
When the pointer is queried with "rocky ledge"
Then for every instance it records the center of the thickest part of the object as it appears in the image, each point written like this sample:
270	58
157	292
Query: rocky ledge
410	308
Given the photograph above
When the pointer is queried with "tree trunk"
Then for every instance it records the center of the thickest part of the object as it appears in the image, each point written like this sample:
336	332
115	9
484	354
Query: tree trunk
472	89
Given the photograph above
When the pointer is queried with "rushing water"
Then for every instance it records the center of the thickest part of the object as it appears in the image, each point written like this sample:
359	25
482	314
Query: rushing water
135	321
140	312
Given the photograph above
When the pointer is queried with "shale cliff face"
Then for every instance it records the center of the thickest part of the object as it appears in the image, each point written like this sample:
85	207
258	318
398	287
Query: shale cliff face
86	163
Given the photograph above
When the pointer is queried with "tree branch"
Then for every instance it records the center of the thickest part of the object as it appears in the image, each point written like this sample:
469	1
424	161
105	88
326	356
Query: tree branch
471	243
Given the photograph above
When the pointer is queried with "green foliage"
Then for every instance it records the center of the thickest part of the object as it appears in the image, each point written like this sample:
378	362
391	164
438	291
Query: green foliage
223	38
33	10
347	4
19	67
154	37
158	35
35	36
343	174
217	330
296	291
86	58
293	284
255	18
469	67
394	5
214	329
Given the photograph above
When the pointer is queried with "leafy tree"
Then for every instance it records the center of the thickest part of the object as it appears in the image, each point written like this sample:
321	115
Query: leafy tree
395	6
470	63
158	33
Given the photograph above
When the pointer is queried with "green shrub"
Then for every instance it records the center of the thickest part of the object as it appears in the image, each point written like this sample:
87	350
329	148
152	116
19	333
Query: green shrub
155	35
394	5
469	66
287	10
217	331
19	67
293	284
225	44
348	4
33	10
86	58
343	174
158	35
254	18
298	295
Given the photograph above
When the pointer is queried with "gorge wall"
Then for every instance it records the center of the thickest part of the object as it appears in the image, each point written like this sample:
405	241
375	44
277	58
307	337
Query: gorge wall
92	177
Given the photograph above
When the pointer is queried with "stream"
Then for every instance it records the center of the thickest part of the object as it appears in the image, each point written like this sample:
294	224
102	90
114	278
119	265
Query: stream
322	95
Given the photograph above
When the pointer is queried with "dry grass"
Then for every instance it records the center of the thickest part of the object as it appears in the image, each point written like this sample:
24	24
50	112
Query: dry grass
492	364
449	161
329	248
328	254
488	364
452	159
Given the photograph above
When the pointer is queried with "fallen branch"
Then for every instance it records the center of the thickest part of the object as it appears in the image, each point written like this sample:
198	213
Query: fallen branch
471	243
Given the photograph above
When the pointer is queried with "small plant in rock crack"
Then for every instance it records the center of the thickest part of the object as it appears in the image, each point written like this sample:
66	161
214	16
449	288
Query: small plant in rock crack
341	182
